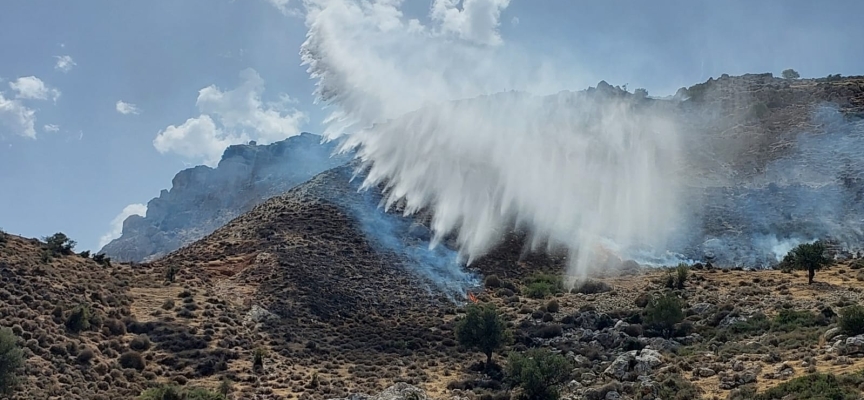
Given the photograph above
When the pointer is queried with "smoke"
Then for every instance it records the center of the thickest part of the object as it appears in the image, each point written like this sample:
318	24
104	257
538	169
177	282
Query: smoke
451	119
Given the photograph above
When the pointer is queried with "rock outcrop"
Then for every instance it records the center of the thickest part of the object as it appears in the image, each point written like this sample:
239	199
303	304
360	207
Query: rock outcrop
203	199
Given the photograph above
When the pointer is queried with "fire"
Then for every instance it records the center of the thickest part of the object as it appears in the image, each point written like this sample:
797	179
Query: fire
472	297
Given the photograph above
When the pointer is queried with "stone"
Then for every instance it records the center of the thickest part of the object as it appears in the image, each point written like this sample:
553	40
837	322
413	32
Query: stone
705	372
832	333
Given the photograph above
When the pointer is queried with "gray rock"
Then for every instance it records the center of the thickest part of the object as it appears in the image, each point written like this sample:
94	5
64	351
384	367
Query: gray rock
613	395
852	345
705	372
703	308
399	391
832	333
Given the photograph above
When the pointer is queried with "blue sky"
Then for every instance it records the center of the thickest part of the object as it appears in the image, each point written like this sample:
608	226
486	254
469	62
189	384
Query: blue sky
186	68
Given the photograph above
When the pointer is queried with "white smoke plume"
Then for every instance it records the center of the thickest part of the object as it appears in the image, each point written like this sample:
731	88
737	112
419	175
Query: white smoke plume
573	169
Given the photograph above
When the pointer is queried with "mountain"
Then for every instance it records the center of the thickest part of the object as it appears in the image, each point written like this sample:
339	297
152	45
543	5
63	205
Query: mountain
202	199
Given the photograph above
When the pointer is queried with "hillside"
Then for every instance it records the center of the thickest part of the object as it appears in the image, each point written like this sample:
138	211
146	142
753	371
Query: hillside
202	199
314	293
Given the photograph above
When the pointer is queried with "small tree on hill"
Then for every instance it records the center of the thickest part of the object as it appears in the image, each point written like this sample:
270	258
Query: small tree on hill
809	256
59	243
538	372
790	74
11	359
482	329
663	313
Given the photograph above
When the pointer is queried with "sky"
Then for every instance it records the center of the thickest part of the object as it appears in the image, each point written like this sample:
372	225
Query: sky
103	102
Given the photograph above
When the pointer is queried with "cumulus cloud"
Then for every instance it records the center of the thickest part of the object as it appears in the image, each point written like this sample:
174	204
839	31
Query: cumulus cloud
231	117
126	108
476	21
31	87
51	128
117	222
284	7
15	116
64	63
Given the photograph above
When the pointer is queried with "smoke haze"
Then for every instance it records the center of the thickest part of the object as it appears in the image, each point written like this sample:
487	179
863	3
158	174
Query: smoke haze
487	138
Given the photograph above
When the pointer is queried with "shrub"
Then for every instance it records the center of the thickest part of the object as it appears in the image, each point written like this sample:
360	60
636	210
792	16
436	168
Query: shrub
681	272
790	74
79	319
815	386
258	358
170	274
482	329
852	320
552	306
809	256
11	360
542	285
174	392
492	281
675	387
140	343
226	387
663	313
788	320
85	356
132	359
102	259
591	287
3	238
539	373
84	254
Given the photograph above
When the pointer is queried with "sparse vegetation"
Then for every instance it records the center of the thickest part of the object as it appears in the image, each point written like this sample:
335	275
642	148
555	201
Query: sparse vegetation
590	286
11	359
170	274
482	329
102	259
807	256
539	373
681	273
258	359
663	313
542	285
815	386
132	359
492	282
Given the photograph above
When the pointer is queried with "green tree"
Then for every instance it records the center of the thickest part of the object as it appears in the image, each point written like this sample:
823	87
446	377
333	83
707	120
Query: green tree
790	74
809	256
59	243
539	373
11	359
663	313
482	329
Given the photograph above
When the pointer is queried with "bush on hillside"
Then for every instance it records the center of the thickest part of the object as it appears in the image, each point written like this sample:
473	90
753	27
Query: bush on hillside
79	319
681	272
852	320
133	360
538	372
482	329
174	392
542	285
663	313
60	244
11	360
591	286
790	74
815	386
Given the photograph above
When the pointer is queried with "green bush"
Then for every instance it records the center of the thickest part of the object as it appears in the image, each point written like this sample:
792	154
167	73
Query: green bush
815	386
60	244
538	290
663	313
132	359
170	274
790	74
11	360
852	320
542	285
539	373
79	319
675	387
174	392
102	259
591	286
258	358
788	320
492	281
482	329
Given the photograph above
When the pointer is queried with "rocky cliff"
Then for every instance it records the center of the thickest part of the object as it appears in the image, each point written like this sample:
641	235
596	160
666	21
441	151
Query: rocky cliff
202	199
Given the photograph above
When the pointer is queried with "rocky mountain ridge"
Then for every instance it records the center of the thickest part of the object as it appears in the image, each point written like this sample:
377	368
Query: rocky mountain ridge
202	199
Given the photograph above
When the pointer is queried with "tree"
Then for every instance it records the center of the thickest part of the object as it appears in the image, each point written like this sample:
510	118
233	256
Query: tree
59	243
538	372
663	313
482	329
809	256
790	74
11	360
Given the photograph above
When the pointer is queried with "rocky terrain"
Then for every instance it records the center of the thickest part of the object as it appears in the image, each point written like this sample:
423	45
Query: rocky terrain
298	298
202	199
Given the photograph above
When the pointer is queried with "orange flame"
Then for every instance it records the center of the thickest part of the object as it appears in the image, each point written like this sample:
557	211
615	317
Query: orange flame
472	297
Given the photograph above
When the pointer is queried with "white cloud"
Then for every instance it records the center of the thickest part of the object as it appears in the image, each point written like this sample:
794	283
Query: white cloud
514	21
31	87
477	21
17	117
64	63
231	117
117	222
126	108
51	128
283	7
